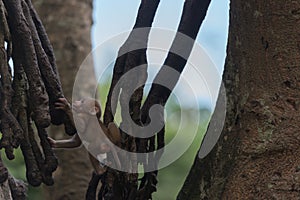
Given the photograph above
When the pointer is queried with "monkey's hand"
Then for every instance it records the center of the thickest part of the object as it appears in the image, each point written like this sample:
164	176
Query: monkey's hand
63	104
52	142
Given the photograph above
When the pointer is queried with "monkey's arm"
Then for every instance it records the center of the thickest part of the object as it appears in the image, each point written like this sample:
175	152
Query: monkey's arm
73	142
63	104
115	136
95	163
114	133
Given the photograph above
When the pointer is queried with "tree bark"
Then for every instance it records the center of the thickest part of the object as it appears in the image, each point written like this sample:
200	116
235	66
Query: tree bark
257	155
132	54
68	24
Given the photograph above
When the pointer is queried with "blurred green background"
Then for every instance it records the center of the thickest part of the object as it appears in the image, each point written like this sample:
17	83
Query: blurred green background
171	178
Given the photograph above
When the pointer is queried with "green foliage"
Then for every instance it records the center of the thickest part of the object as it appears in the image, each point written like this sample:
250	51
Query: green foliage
16	167
172	177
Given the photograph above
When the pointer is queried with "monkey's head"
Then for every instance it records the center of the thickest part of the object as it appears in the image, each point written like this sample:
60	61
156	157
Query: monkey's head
87	105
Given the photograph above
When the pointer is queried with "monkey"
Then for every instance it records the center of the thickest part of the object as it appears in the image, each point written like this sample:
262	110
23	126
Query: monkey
86	114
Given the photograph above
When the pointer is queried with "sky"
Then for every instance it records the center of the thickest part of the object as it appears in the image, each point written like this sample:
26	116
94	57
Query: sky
114	18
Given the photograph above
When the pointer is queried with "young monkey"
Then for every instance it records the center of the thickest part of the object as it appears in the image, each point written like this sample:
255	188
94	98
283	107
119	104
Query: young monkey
86	115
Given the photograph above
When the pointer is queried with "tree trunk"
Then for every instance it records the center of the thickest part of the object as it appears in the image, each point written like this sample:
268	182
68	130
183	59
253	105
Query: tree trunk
5	192
257	155
68	24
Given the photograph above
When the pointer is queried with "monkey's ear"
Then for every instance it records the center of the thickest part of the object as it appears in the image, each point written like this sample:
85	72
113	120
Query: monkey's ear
93	110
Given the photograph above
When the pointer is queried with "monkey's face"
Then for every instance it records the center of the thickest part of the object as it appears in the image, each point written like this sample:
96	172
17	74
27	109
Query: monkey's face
87	105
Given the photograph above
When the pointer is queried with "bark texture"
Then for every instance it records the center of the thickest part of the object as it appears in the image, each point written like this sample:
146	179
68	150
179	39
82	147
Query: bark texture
26	88
257	156
68	24
129	58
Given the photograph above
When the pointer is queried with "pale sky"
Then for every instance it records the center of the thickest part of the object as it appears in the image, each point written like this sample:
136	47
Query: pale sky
114	17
